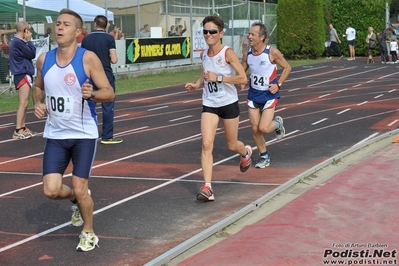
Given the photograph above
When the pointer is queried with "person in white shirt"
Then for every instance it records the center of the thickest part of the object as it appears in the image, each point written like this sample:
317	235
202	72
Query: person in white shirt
394	47
351	39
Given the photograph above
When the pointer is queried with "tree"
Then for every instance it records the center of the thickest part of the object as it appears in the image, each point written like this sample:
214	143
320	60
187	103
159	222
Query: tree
300	31
394	9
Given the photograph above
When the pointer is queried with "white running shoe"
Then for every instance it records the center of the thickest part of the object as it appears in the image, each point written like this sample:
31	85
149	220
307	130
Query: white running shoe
77	219
88	241
280	132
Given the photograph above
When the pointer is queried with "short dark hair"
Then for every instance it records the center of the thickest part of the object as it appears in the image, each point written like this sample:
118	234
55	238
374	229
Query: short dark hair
214	19
101	21
78	18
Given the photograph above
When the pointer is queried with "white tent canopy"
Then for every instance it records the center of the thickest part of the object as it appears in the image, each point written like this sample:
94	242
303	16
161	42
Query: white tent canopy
85	9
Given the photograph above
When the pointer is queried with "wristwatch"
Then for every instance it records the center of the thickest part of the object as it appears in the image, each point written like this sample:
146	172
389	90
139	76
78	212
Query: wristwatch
93	95
279	85
220	79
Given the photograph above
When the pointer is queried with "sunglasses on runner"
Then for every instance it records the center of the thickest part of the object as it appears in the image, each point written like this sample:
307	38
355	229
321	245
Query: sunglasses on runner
209	31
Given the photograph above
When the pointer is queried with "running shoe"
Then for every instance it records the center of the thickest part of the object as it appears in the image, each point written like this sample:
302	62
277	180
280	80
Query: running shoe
328	57
111	141
32	133
205	194
341	57
21	134
280	132
77	219
88	241
263	162
245	162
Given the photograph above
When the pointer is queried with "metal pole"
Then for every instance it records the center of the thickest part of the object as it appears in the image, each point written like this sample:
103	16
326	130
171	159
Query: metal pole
24	10
213	6
232	27
191	32
68	4
106	9
167	16
138	16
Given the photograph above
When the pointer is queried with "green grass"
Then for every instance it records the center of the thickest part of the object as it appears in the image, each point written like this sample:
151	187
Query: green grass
9	102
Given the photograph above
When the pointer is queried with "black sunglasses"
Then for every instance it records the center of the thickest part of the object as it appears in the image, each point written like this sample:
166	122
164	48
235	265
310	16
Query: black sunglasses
209	31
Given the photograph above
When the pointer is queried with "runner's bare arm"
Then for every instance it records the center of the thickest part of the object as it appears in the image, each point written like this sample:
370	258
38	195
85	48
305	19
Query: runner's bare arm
95	71
38	89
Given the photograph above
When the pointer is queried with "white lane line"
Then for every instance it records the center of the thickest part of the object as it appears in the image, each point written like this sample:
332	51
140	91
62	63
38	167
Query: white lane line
369	137
362	103
393	122
281	109
183	180
21	158
6	125
180	118
121	116
325	95
387	75
343	90
159	96
342	77
343	111
157	108
318	122
195	100
123	133
378	96
370	81
391	90
303	102
294	89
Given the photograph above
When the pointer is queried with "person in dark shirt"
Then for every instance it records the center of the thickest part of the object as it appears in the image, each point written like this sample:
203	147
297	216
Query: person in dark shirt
103	45
22	52
383	39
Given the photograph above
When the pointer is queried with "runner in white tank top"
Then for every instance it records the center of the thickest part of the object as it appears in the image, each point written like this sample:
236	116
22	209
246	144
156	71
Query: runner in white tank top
264	89
221	70
218	94
64	77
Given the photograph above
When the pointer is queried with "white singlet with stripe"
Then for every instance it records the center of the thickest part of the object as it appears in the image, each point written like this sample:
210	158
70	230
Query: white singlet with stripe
69	116
218	94
263	73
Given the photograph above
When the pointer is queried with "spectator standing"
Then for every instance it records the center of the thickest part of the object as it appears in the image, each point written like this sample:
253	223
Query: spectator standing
264	89
64	77
383	40
181	30
83	34
145	32
333	43
22	52
116	33
371	41
34	33
351	40
393	48
172	31
48	34
221	70
103	45
5	48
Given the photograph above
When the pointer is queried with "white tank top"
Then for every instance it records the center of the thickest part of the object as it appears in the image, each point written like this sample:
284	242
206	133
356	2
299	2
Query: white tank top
263	73
218	94
69	116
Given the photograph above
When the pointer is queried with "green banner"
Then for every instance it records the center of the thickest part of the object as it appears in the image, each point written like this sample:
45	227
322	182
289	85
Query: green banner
157	49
